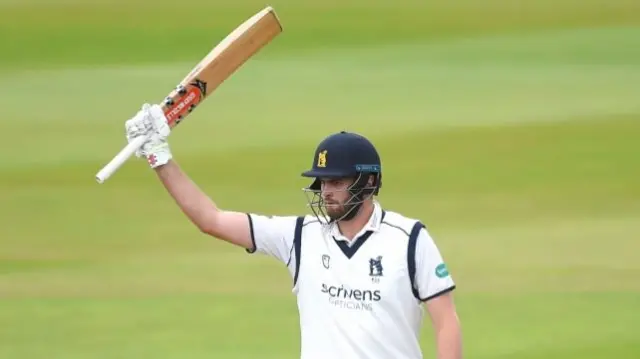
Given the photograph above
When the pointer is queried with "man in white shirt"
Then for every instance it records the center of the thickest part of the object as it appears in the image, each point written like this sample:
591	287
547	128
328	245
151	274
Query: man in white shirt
363	275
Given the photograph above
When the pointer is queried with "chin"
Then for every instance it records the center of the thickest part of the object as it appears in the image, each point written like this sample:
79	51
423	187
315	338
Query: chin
334	210
334	215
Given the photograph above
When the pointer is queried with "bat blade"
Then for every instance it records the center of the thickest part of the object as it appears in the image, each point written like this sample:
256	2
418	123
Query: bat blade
220	63
215	68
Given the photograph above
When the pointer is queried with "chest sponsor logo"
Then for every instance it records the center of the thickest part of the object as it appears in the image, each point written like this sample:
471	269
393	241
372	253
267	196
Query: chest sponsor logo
352	299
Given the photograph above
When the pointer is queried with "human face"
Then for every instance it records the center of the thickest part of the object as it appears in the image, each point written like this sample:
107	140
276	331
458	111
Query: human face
335	195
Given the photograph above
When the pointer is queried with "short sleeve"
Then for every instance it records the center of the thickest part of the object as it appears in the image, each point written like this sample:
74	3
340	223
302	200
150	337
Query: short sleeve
432	275
272	235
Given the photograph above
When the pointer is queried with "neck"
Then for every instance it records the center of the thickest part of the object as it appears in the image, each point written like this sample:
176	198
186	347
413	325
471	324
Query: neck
351	227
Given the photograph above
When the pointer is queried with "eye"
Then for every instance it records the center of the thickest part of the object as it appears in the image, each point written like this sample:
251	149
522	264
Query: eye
338	183
331	182
335	183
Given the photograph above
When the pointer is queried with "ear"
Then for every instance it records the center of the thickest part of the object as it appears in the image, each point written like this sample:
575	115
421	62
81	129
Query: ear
371	181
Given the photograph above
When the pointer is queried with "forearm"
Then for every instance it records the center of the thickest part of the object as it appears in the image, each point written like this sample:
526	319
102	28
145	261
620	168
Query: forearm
233	227
449	339
193	202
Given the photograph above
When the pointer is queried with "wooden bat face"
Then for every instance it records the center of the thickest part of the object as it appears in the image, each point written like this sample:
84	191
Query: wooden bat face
220	63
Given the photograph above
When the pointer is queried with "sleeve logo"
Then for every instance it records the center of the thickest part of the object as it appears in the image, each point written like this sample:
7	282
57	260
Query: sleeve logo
442	271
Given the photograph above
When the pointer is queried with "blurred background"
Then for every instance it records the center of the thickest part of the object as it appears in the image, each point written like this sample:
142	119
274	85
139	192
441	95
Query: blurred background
510	128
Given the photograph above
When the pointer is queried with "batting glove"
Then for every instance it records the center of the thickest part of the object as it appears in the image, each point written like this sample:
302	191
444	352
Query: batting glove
150	121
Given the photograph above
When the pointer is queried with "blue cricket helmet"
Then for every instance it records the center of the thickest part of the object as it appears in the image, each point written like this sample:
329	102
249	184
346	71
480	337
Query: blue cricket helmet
346	155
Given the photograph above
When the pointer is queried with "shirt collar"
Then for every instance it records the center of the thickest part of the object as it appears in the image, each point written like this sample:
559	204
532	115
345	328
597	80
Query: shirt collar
373	225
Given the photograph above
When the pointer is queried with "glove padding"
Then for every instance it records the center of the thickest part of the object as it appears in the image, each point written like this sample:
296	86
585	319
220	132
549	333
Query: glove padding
151	121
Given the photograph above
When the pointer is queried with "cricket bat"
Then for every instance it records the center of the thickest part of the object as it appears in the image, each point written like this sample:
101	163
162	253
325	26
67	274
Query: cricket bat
218	65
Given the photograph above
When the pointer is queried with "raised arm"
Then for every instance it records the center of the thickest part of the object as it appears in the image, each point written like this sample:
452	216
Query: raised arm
271	235
230	226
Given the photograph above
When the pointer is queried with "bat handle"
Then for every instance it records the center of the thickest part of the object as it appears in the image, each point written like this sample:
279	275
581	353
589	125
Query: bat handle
120	158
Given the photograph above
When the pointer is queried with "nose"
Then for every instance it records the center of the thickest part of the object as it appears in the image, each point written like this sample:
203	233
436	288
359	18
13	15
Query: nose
327	192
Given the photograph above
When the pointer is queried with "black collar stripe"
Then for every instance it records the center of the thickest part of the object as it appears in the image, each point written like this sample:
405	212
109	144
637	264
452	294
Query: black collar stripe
350	250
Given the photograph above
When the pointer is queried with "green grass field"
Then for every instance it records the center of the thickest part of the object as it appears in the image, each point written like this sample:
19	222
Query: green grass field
511	129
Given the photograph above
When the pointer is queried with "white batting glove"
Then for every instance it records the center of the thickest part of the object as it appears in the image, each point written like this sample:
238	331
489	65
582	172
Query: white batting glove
150	120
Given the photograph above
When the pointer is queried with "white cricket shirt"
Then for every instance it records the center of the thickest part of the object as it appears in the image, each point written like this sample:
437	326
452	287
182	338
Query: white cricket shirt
362	300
